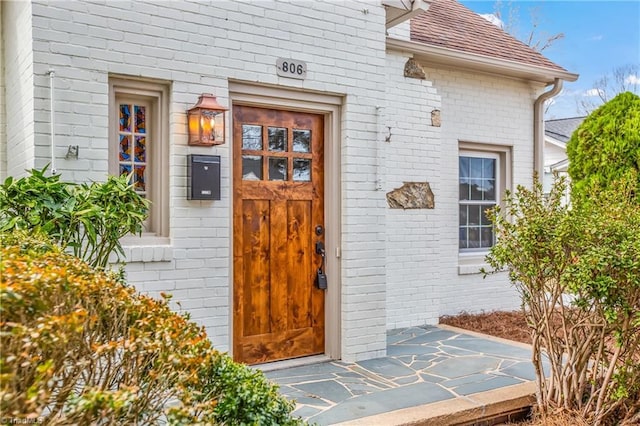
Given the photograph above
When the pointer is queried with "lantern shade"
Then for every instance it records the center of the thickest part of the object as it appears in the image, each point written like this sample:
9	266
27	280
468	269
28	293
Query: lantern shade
206	121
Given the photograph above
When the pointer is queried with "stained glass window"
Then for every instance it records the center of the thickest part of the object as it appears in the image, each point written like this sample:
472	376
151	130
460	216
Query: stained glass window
133	145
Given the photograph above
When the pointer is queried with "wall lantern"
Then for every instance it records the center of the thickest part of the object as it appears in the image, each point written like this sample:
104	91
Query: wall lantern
206	121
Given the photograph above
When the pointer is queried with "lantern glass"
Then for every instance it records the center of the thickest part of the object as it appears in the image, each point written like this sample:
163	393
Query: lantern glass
206	122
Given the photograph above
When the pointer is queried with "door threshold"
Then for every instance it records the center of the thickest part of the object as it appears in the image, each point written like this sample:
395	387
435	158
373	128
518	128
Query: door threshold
290	363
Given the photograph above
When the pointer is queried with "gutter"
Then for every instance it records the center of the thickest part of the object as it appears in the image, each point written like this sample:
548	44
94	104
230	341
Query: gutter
538	127
449	57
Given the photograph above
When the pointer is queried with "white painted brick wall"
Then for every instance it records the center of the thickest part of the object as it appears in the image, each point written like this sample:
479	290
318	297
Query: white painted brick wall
17	140
198	47
412	155
483	109
3	115
399	268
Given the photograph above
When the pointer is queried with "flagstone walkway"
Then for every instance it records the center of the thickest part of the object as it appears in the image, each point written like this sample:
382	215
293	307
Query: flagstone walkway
424	365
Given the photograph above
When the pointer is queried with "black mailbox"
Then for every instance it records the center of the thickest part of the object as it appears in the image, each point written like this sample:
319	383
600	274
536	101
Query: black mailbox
203	177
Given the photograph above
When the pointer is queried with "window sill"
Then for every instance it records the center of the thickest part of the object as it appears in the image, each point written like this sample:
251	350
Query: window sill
472	263
147	249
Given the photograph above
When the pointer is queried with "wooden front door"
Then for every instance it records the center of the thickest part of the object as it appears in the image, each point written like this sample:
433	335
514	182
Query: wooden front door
278	218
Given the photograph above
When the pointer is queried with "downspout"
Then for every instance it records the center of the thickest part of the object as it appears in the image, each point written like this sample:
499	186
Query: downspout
54	170
538	127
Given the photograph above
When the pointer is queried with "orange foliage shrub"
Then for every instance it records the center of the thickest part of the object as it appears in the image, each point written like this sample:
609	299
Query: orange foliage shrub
81	347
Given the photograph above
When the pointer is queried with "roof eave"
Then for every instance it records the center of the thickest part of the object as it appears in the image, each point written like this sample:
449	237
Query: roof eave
449	57
398	12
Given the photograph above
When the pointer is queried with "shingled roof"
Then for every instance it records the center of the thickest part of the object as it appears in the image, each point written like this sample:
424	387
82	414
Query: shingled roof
449	24
561	129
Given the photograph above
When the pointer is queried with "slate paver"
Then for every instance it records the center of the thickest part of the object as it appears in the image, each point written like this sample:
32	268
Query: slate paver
386	367
326	389
464	366
493	383
380	402
423	365
403	349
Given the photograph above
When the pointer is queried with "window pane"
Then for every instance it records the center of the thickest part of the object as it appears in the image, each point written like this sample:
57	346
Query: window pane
125	148
301	170
475	167
464	189
277	169
489	189
485	216
476	189
251	137
487	236
463	215
140	149
488	168
141	119
277	138
125	118
125	169
140	178
474	237
251	167
463	164
463	238
301	140
474	215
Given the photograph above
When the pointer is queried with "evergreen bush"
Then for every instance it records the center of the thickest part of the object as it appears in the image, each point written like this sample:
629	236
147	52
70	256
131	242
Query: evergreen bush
606	146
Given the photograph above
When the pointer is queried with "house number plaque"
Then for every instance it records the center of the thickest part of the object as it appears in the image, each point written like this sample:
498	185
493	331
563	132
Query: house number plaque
291	68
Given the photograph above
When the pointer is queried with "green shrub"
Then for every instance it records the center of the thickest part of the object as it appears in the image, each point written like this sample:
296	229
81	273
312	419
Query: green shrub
81	347
88	218
578	271
606	146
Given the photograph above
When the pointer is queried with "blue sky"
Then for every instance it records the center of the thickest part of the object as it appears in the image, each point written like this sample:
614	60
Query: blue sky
599	36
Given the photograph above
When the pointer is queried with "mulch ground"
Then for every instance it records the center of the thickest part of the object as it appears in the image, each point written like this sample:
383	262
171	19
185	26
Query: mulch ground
506	324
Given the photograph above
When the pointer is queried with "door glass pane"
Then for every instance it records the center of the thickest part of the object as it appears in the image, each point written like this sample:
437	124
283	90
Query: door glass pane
301	140
301	170
277	169
251	167
277	138
251	137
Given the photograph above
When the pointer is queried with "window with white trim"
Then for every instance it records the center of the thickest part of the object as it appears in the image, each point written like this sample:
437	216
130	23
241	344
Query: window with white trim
479	183
138	144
